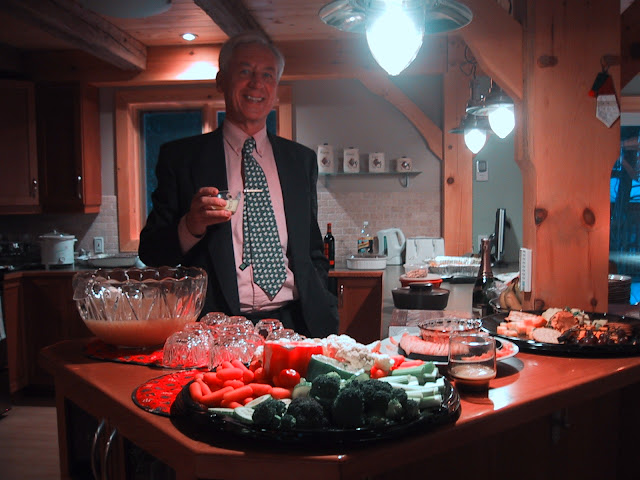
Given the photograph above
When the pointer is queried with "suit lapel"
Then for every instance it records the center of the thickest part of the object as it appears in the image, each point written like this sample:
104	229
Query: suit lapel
290	172
210	171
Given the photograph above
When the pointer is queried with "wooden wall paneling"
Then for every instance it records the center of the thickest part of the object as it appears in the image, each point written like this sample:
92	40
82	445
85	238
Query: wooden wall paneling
379	84
566	191
630	39
457	165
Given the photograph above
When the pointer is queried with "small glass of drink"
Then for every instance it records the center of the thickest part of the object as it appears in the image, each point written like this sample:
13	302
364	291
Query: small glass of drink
232	198
472	360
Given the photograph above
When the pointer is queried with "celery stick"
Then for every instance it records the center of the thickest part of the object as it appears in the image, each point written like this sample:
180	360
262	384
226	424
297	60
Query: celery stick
431	401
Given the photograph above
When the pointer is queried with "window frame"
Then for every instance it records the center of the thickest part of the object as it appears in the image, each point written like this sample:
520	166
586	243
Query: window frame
129	156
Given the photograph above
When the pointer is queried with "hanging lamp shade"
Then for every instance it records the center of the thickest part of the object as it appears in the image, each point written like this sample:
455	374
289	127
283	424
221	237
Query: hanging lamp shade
499	108
475	130
395	28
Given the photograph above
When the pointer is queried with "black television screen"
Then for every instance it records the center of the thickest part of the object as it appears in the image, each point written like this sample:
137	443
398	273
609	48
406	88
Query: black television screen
499	234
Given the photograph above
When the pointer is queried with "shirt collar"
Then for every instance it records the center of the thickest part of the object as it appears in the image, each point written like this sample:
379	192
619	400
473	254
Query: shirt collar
235	138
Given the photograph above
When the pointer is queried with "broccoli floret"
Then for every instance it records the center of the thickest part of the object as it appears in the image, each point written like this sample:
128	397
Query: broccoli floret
325	387
348	408
288	422
411	410
307	412
400	395
394	410
269	413
378	422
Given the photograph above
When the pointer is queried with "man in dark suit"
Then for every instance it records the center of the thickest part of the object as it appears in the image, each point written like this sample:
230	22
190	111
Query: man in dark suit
189	226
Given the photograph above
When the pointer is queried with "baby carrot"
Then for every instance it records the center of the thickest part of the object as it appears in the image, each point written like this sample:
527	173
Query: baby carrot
234	383
230	404
195	390
211	379
214	398
226	364
247	375
238	394
205	388
279	393
260	389
231	373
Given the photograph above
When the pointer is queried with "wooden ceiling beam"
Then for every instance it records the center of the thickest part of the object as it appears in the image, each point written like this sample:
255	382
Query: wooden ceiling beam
232	16
496	40
305	60
82	29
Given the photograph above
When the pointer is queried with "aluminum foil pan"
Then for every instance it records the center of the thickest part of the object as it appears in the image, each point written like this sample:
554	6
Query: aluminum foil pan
451	267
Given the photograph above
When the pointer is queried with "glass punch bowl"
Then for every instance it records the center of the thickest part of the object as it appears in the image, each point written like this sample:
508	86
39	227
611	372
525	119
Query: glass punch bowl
139	307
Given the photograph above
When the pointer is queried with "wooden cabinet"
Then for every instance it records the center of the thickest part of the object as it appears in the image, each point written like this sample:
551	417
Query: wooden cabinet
359	303
69	147
39	311
19	189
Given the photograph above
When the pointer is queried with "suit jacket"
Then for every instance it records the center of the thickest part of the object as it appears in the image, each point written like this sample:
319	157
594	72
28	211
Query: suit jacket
186	165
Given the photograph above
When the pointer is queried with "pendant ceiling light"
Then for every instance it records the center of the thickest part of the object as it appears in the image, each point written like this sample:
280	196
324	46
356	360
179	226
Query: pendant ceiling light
395	28
475	130
499	108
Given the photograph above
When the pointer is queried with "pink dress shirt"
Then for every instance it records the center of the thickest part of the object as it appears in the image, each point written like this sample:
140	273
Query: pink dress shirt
252	297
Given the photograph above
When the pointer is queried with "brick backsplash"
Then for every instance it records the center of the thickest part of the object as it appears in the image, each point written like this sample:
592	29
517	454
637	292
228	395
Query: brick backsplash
416	214
27	228
413	213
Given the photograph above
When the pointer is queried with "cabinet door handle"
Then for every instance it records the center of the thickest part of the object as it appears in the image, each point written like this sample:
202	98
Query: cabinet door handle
341	295
94	445
107	452
79	187
34	188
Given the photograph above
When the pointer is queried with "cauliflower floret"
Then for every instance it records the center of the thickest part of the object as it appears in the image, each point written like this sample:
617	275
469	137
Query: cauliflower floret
354	355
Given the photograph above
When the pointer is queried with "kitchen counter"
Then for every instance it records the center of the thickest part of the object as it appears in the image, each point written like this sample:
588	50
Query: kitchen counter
543	417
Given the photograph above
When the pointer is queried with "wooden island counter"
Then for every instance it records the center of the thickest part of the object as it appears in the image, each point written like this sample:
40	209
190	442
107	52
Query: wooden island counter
543	417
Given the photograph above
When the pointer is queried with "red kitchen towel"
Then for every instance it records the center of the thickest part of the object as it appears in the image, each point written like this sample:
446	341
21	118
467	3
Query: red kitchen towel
157	395
99	350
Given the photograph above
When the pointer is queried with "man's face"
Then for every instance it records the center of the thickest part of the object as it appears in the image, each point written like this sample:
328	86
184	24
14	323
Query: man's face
249	86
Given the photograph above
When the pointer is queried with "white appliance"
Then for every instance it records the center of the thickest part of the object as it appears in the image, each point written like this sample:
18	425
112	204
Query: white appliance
420	249
57	249
391	242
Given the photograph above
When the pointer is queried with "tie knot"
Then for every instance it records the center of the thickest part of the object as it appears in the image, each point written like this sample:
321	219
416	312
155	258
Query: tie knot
249	145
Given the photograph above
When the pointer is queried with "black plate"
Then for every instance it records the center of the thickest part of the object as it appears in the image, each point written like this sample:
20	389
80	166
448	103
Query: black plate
490	324
194	421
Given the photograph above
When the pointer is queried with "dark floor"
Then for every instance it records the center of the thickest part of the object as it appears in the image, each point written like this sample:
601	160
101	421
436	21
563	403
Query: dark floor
28	435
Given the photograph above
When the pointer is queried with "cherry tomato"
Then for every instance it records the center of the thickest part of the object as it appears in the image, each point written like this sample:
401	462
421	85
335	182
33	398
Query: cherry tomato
287	378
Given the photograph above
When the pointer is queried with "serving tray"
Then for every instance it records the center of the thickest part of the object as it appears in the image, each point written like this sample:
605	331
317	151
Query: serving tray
193	420
490	324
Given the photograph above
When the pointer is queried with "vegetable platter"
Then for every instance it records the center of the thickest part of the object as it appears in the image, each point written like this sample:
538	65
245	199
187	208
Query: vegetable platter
226	431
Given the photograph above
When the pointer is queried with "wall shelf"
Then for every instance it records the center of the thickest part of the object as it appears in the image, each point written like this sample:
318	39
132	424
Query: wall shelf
403	177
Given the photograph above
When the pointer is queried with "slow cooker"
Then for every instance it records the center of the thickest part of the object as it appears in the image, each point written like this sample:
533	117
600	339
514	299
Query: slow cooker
56	249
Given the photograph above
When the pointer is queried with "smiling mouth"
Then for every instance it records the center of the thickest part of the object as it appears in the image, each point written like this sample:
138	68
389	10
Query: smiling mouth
254	99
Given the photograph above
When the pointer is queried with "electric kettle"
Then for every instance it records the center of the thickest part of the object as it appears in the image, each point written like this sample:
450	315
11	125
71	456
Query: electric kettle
391	242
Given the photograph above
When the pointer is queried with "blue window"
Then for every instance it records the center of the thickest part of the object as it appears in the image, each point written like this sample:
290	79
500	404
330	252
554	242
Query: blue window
161	127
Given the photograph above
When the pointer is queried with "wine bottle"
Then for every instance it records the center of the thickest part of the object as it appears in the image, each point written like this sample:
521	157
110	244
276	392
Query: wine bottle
484	282
330	247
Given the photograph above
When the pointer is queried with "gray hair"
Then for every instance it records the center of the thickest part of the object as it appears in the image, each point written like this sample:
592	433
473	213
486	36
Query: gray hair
226	52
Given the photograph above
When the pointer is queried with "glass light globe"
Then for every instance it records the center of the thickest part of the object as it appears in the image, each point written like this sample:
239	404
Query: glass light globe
395	39
502	121
474	139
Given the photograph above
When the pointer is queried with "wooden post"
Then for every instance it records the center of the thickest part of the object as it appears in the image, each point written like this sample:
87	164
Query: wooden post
566	153
457	164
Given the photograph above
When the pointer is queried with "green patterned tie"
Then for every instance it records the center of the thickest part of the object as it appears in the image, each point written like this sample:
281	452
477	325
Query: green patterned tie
261	247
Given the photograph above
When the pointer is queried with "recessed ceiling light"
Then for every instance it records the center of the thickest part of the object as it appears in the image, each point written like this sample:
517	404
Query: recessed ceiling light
189	37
